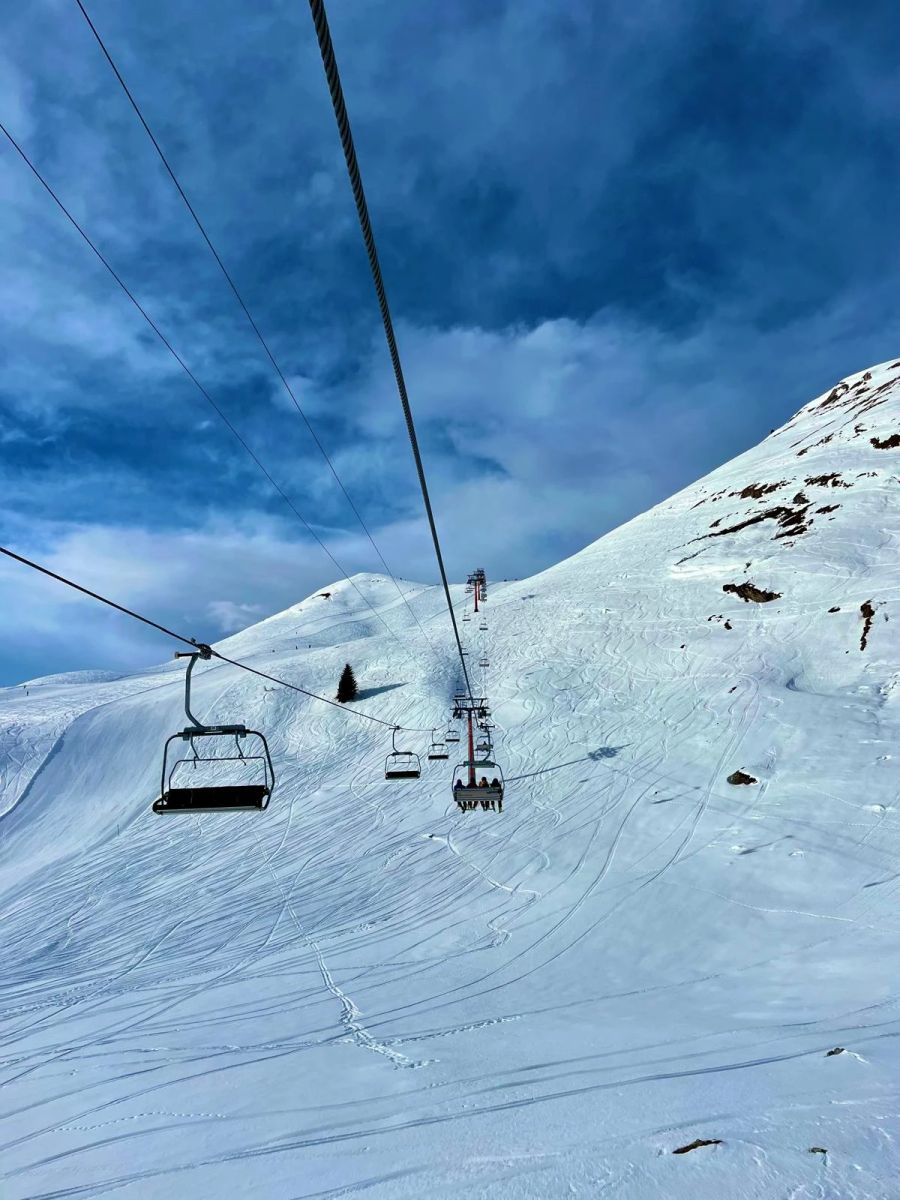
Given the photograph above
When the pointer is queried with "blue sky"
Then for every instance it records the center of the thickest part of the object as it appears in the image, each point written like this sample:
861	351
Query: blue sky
621	241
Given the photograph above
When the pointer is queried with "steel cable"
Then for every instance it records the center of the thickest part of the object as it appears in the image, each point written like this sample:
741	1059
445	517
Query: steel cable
323	34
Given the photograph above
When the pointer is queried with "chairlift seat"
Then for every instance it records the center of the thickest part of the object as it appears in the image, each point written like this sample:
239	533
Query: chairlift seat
402	772
438	755
222	798
470	797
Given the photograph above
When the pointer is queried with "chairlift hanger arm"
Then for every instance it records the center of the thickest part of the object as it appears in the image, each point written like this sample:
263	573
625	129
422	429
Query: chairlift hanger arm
192	657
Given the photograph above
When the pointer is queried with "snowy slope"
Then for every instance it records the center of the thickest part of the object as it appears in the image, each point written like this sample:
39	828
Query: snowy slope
364	990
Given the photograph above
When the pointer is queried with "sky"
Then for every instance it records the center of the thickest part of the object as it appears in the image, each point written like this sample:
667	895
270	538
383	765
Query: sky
621	242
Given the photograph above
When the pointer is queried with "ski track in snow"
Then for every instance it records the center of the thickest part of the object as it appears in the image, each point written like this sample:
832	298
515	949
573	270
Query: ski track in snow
632	955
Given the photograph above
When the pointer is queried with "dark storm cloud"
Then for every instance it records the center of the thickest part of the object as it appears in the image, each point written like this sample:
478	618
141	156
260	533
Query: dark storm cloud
621	242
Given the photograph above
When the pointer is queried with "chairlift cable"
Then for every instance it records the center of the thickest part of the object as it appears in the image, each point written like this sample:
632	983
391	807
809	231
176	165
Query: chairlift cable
206	651
96	596
326	49
187	370
253	324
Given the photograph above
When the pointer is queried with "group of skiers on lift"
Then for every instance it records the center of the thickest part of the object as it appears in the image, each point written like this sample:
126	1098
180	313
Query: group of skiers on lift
482	782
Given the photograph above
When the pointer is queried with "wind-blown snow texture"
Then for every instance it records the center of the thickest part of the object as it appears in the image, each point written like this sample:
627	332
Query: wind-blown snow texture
365	990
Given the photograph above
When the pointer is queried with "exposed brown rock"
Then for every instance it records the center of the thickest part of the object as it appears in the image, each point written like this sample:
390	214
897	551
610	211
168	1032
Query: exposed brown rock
696	1144
738	777
757	490
834	480
868	615
791	520
747	591
890	443
715	496
835	394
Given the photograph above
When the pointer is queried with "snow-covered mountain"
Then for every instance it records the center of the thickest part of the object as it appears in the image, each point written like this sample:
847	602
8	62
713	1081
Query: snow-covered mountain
365	990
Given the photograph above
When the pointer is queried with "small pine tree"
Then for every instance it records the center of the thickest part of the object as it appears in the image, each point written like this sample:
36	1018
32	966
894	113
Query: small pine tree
347	689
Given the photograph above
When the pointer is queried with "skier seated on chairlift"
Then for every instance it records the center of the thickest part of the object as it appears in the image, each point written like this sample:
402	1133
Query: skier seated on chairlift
482	782
458	784
495	782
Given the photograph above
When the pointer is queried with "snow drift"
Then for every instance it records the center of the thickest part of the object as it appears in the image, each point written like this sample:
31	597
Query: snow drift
633	981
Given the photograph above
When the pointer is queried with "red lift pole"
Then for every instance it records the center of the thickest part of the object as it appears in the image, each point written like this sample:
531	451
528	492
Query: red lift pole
477	585
471	751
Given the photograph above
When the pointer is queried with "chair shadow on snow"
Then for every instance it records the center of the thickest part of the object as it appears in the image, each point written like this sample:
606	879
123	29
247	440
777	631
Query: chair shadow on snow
603	753
368	693
592	756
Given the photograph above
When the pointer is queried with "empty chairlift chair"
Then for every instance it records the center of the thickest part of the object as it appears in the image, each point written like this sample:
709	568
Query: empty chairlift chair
401	764
487	792
483	662
437	751
452	735
209	782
